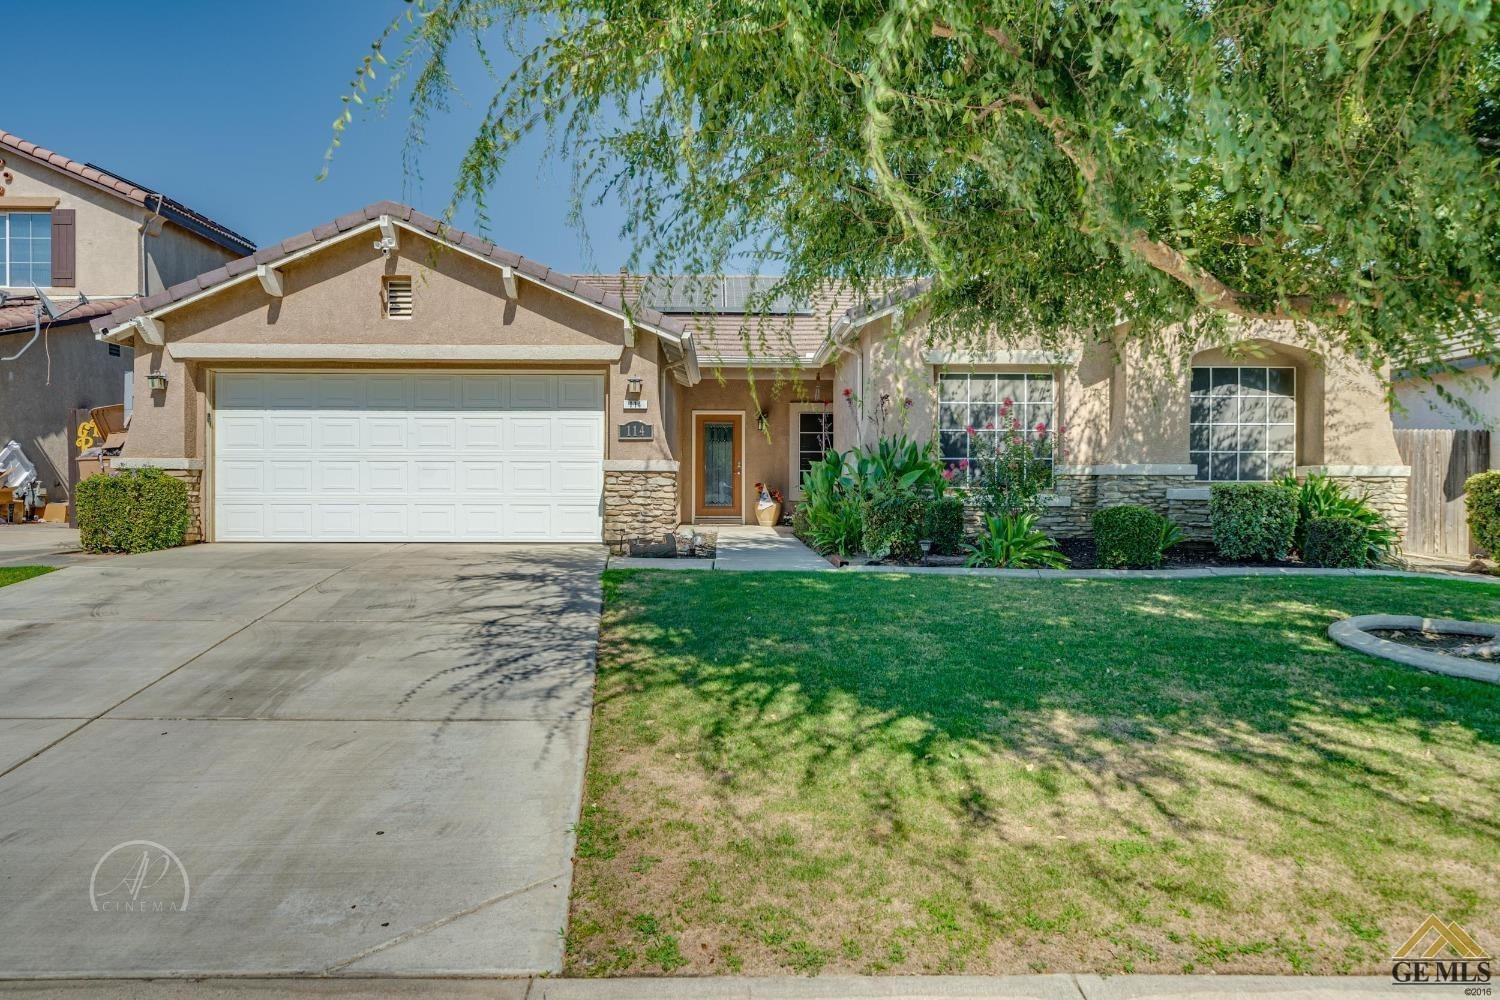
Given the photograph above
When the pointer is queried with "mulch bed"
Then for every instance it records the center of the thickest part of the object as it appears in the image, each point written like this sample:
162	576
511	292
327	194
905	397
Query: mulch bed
1437	642
1082	554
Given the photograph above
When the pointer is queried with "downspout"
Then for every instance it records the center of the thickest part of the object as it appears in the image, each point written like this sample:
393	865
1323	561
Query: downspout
145	229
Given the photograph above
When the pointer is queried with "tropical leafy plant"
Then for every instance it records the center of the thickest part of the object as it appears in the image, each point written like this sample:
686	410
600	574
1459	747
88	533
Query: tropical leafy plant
1013	541
829	517
898	462
1319	497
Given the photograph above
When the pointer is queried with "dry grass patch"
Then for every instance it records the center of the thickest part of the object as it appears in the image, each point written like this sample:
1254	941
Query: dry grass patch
880	774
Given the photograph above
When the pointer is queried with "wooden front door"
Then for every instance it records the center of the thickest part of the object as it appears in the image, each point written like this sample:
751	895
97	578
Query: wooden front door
718	444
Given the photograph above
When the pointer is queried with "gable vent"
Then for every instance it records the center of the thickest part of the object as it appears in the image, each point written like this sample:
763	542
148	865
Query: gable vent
398	297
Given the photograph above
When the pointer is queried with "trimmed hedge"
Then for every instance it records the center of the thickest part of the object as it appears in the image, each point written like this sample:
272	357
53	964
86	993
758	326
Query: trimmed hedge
894	520
1253	520
1129	536
945	524
1337	541
1482	495
135	510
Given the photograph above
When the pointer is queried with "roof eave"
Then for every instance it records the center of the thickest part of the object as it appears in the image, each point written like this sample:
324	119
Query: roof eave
121	330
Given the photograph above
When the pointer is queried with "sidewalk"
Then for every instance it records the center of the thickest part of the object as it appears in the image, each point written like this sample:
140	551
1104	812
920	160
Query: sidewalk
1058	987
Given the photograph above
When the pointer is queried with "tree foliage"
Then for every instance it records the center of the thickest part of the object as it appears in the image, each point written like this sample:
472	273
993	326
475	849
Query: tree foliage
1057	167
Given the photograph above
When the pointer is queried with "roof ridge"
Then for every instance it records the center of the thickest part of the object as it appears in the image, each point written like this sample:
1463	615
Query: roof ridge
113	183
329	231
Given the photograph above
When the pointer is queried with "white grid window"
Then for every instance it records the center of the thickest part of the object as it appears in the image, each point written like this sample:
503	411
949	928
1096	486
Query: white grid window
25	249
977	400
1243	423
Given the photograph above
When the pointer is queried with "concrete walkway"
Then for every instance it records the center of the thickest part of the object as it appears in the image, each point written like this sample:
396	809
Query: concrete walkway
362	760
744	548
42	545
1059	987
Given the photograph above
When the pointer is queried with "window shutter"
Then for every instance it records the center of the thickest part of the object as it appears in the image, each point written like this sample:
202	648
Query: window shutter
64	248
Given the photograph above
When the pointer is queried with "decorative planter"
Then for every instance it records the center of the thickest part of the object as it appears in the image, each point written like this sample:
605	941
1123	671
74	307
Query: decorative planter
768	515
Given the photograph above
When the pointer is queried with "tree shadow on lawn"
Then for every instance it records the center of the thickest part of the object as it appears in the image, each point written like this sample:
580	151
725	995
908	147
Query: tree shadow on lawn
1198	702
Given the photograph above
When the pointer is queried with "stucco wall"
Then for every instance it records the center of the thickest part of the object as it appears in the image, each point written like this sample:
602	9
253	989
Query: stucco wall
335	297
1422	407
175	255
38	414
767	453
108	228
1124	402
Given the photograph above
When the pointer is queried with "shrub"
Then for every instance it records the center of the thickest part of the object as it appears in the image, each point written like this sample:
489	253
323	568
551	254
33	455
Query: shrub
1130	536
1318	496
1335	541
1253	520
894	519
136	510
1482	494
1014	541
945	524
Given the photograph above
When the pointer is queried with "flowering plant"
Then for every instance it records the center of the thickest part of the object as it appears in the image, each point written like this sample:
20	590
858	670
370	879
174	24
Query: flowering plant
1011	466
768	494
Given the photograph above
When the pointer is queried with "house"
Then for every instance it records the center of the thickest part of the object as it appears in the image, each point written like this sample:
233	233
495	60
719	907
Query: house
383	377
89	240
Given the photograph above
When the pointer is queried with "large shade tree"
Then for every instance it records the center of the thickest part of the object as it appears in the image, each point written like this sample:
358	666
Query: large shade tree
1056	166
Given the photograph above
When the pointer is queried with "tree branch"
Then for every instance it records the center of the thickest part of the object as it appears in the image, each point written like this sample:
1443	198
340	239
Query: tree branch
1208	288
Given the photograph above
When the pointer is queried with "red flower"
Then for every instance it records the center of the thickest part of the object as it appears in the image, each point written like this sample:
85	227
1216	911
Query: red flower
848	392
949	473
1041	427
990	426
970	430
963	463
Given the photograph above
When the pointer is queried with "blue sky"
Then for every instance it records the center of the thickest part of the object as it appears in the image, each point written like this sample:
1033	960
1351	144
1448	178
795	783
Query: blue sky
227	106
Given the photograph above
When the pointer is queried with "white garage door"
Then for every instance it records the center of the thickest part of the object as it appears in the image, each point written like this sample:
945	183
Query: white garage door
364	457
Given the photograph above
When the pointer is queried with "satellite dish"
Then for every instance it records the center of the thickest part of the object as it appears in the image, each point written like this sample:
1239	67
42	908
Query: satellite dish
50	309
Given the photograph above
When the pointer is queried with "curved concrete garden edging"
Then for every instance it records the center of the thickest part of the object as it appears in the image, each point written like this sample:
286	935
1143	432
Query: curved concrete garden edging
1355	634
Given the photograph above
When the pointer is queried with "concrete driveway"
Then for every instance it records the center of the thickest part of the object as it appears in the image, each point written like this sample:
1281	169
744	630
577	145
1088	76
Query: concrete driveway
351	759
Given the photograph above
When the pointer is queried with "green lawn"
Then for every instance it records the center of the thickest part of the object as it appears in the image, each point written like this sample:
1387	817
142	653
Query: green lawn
868	773
15	574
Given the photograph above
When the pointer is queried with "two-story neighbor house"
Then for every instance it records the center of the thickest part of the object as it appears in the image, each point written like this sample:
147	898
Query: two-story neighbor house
90	241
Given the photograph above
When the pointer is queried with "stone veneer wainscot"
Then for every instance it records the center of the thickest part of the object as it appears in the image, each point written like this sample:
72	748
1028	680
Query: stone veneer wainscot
640	502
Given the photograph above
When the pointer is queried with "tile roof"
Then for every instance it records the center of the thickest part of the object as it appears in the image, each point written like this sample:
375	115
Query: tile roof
329	231
777	335
19	312
151	200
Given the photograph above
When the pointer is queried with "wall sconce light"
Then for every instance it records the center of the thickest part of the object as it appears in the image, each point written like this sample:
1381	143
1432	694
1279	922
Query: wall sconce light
762	420
633	385
157	381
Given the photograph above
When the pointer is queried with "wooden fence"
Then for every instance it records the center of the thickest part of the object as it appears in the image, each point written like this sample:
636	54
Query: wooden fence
1440	461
